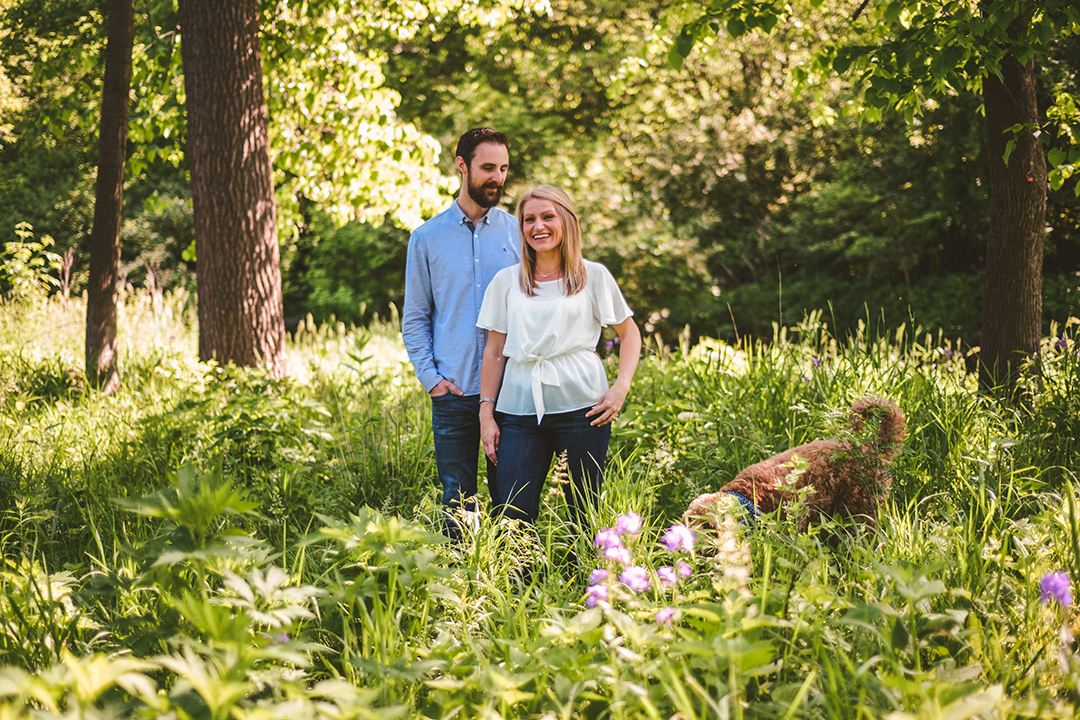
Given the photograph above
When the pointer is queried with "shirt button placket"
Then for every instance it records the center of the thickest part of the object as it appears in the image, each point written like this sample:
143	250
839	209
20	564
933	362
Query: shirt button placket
476	264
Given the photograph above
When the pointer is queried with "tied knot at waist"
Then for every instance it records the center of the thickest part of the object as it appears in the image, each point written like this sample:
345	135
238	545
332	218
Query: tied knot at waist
543	373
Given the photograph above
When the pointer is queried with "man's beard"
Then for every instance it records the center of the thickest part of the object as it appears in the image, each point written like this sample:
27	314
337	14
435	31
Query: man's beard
480	194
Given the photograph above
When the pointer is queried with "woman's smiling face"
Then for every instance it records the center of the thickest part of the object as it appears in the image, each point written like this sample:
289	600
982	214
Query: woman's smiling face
541	224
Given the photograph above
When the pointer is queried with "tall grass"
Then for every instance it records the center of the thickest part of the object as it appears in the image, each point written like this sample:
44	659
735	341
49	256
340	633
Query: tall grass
212	543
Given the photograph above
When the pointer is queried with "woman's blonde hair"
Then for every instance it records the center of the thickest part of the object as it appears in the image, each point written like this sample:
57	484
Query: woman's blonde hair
573	265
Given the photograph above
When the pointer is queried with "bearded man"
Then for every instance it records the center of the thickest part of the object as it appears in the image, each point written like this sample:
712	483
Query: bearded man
451	260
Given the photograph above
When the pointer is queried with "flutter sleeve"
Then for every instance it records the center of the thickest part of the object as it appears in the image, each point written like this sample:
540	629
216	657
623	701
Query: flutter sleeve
609	306
493	308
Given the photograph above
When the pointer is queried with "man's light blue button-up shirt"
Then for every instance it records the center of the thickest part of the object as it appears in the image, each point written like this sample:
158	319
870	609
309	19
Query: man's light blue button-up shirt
447	271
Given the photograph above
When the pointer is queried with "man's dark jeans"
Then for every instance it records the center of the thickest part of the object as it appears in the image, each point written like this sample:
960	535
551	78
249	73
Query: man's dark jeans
455	423
525	453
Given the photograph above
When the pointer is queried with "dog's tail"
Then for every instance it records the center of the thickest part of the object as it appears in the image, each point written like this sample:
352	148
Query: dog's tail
892	427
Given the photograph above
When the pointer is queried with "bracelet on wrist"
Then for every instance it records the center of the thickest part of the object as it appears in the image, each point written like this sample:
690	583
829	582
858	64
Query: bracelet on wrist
490	400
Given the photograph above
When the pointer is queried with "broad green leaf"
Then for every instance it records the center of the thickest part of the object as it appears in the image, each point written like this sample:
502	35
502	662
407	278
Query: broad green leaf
1009	147
900	636
675	58
1004	18
953	56
842	62
685	40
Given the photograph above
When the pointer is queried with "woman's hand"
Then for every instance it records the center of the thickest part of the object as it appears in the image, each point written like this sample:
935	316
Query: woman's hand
491	374
489	436
608	406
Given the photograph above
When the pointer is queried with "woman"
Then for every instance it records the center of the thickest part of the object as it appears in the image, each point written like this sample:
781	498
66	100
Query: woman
543	389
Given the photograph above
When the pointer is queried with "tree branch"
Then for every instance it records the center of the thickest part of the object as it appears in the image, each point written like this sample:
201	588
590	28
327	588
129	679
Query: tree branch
860	10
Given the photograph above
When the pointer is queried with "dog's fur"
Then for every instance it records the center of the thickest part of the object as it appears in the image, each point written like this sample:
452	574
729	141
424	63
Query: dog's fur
847	480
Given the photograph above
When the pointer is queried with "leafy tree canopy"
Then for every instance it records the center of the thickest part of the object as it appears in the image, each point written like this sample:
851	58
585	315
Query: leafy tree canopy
336	139
909	54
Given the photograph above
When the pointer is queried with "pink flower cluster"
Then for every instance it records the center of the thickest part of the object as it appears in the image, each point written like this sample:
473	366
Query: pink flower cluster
670	575
1055	588
611	545
679	537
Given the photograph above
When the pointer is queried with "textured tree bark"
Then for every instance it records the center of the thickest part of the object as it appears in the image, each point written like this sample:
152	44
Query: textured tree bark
101	369
241	318
1012	300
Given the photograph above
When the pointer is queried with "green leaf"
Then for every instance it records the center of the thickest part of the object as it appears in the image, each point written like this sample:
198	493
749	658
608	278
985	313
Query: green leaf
900	636
675	58
1044	31
842	62
874	99
684	42
736	27
1009	147
953	56
1056	156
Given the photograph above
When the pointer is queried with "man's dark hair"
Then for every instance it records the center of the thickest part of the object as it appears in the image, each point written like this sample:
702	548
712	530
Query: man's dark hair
466	146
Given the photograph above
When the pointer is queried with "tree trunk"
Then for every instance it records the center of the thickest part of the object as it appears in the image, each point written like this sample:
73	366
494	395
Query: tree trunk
101	370
1012	301
241	319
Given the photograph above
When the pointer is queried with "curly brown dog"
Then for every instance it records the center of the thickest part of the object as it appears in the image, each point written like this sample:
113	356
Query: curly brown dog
847	480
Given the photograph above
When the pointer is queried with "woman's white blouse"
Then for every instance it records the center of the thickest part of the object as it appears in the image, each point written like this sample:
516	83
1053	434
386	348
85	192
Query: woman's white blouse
550	349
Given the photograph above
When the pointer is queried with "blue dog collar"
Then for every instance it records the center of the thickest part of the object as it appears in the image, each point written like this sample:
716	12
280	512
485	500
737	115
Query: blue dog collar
750	511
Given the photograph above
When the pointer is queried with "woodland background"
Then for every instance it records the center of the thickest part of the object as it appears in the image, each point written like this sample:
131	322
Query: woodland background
809	180
725	195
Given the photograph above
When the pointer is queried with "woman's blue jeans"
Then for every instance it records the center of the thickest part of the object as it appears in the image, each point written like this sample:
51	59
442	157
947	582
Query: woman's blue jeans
525	453
455	424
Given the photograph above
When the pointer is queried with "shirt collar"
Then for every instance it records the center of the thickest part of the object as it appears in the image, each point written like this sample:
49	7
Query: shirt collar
463	219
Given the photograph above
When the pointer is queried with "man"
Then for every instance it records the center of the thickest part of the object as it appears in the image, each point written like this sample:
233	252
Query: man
451	260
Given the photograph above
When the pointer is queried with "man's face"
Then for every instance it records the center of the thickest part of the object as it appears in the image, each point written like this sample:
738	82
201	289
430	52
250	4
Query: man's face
485	175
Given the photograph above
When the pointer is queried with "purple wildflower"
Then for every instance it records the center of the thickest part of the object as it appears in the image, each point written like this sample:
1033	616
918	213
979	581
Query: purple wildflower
607	538
805	379
817	362
679	537
947	352
1055	588
667	575
1062	342
636	578
665	615
683	568
597	576
616	340
609	345
629	523
620	555
596	594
